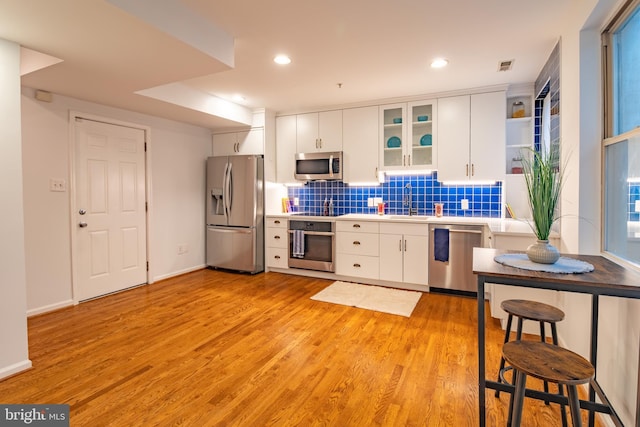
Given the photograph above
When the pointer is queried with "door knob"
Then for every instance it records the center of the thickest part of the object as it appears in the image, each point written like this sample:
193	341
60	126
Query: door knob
82	211
82	224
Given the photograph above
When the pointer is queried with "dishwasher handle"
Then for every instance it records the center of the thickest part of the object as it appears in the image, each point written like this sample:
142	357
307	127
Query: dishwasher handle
462	231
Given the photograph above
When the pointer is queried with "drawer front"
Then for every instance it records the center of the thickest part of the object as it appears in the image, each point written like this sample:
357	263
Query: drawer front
276	223
358	266
277	238
277	257
357	226
358	243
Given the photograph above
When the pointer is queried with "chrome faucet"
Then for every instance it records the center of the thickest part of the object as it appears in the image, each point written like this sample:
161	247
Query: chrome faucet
408	200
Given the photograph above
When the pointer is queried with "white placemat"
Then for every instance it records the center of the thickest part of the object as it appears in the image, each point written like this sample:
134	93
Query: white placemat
563	265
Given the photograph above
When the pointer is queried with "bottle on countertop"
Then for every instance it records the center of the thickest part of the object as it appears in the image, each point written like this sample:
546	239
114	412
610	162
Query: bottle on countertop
331	207
326	207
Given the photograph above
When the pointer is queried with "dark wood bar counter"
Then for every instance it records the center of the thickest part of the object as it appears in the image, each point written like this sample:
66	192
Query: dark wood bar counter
607	279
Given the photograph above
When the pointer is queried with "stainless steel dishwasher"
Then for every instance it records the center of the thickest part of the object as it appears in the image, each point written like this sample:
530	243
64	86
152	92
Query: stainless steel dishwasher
451	257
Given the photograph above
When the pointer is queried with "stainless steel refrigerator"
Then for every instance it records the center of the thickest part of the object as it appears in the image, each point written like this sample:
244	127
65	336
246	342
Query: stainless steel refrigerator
235	213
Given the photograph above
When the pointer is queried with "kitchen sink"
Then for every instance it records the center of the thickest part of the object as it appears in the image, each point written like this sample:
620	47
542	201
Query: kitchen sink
410	217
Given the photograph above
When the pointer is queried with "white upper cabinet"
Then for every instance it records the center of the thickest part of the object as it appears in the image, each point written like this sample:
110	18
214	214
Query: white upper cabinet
285	149
236	143
319	132
360	156
422	129
488	133
453	133
471	137
408	135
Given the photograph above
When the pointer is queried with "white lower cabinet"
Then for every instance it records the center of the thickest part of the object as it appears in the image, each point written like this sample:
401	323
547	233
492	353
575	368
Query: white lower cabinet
403	253
357	249
277	243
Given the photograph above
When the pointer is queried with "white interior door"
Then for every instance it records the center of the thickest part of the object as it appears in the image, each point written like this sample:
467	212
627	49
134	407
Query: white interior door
110	219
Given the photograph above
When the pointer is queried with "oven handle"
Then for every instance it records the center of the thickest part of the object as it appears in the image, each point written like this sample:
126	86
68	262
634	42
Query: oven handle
317	233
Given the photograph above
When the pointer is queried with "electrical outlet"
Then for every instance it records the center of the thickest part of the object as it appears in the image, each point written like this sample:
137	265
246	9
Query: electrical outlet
183	249
296	201
464	203
370	202
57	184
377	201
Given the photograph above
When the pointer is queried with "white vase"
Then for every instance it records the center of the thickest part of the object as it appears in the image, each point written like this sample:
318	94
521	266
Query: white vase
543	252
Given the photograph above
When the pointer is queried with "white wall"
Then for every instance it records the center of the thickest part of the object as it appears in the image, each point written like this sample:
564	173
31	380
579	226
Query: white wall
14	353
580	80
176	158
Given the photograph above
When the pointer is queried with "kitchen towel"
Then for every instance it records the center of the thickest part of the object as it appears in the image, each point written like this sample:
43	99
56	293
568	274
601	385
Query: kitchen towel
298	244
441	244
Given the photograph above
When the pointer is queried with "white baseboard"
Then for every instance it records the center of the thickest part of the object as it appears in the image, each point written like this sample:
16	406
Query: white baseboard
16	368
178	273
50	307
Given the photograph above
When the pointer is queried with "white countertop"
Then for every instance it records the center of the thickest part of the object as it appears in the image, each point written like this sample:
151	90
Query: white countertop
495	225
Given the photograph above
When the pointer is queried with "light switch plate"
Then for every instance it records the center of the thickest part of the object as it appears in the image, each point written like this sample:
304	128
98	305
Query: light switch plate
637	205
464	204
57	184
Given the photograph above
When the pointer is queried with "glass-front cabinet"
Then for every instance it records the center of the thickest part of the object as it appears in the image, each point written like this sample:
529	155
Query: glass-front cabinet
408	135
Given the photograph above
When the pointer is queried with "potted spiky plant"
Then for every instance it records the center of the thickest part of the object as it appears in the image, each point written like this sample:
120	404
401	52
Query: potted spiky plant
544	179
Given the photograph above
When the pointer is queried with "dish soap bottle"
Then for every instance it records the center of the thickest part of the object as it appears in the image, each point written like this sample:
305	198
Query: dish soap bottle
326	207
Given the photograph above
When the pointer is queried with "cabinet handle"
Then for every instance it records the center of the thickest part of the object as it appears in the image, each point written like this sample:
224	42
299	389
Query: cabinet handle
404	160
355	242
356	225
320	140
473	169
356	265
276	237
467	169
405	246
277	221
409	161
400	245
277	257
376	173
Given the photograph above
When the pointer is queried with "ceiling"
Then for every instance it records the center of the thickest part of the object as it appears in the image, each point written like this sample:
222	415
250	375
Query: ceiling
373	49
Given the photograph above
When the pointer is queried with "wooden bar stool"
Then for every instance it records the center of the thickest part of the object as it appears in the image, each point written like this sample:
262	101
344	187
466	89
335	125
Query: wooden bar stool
549	363
538	312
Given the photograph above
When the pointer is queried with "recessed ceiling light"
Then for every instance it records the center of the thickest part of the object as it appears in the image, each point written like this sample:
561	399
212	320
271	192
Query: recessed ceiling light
282	60
439	63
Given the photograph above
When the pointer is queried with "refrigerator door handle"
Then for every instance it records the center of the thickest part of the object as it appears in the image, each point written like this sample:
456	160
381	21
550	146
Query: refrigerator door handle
229	188
224	192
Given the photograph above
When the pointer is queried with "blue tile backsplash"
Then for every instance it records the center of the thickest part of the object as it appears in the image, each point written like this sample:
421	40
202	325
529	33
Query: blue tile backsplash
634	197
484	200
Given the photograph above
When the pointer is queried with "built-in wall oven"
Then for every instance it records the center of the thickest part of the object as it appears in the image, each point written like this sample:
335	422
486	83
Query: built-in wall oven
312	244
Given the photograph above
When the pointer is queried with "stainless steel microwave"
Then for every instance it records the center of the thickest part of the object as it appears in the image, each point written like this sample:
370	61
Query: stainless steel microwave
319	166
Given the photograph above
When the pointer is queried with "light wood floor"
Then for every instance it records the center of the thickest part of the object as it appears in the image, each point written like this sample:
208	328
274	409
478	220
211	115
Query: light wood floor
217	348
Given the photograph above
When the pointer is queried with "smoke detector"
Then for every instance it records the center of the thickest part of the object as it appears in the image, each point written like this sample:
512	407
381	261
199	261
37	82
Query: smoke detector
505	65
